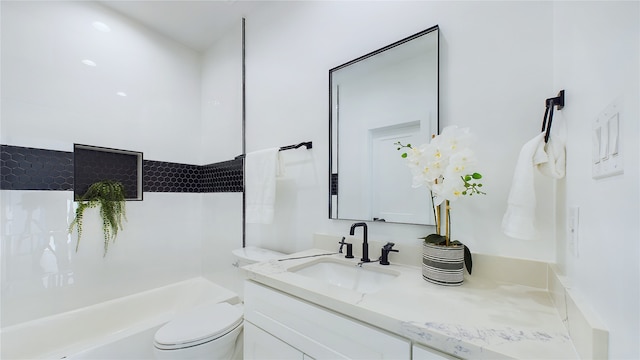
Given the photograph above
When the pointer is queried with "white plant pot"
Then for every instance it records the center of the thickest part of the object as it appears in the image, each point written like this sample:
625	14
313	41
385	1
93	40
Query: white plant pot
443	265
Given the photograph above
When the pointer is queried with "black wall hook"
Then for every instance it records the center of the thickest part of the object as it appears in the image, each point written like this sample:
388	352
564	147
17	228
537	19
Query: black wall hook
550	103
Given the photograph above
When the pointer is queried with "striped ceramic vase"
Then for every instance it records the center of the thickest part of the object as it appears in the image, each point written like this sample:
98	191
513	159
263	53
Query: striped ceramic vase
443	265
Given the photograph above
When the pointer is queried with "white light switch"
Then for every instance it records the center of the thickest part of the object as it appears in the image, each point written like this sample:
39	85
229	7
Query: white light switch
606	143
595	151
614	134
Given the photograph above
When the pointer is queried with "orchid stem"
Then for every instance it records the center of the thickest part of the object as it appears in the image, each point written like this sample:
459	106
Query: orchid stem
447	222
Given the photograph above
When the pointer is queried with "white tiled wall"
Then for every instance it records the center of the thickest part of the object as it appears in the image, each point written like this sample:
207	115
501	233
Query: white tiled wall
51	100
42	274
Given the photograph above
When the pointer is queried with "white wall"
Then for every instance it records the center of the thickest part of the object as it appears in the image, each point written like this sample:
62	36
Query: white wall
221	98
597	61
51	100
488	51
499	61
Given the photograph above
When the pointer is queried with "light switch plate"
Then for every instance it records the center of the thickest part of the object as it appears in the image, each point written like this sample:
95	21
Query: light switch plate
606	138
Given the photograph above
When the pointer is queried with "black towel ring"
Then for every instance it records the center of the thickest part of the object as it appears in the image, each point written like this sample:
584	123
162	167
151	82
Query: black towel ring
558	102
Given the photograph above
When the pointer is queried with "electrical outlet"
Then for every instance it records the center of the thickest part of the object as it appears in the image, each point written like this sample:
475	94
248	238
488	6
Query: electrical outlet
573	224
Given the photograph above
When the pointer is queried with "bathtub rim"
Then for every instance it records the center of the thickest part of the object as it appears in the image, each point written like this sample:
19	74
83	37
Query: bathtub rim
24	331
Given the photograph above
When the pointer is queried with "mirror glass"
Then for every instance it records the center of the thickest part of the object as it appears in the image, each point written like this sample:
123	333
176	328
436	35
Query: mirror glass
376	100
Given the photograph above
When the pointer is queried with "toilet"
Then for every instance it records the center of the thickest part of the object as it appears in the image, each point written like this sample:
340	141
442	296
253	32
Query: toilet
210	330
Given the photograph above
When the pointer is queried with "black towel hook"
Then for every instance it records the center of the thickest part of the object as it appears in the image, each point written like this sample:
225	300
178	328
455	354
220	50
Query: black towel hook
558	102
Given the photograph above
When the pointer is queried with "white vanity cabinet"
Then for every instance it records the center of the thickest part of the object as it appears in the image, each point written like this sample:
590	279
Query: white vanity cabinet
259	344
275	322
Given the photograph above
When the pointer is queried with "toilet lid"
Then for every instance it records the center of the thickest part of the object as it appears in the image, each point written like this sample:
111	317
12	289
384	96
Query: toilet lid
198	325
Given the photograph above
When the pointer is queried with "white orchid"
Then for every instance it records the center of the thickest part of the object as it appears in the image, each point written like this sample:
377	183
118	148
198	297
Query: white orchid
445	165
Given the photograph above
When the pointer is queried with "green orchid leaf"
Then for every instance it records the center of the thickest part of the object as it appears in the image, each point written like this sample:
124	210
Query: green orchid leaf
435	239
468	262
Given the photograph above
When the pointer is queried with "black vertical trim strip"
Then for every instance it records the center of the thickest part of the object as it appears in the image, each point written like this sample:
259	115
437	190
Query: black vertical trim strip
437	29
329	202
244	139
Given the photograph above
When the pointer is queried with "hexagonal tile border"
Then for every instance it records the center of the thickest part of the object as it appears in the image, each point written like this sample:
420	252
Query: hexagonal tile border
23	168
224	176
160	176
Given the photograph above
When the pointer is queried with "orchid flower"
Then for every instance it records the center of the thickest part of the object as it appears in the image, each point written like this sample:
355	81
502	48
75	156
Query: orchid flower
445	165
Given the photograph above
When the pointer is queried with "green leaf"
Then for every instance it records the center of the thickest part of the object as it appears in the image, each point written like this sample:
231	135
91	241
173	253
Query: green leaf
435	239
109	195
477	176
468	262
404	155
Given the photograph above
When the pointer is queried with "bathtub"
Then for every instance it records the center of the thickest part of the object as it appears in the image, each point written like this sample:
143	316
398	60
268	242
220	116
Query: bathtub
125	324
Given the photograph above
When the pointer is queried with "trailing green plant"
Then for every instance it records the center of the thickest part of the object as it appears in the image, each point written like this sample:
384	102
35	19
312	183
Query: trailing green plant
109	196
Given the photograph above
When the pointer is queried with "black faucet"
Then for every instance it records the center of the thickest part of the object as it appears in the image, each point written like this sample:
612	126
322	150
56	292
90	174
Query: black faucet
384	258
365	244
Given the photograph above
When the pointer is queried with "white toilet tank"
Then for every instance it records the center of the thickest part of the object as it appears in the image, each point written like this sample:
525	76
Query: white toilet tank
251	255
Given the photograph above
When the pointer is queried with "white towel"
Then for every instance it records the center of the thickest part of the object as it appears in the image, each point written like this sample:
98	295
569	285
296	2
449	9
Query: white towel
549	158
518	220
261	169
554	164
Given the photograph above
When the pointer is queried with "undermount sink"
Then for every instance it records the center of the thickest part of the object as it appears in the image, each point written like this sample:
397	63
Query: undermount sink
366	279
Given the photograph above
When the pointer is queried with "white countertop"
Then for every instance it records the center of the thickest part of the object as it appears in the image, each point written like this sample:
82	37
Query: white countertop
482	319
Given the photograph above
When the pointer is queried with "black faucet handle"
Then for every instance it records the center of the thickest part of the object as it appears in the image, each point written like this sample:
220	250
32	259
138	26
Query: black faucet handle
342	243
384	257
349	248
388	247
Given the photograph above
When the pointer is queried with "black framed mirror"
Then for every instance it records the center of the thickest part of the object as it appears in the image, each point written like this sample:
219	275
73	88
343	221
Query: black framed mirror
382	97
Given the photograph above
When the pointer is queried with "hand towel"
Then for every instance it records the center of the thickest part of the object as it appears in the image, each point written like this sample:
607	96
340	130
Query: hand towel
554	163
519	219
261	169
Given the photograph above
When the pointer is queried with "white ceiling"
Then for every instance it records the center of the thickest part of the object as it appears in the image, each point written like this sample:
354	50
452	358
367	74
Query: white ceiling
196	24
